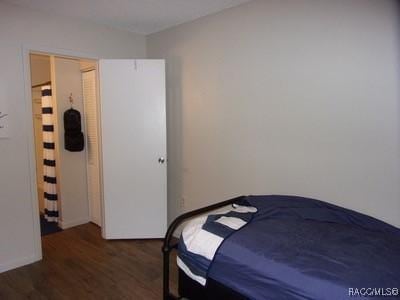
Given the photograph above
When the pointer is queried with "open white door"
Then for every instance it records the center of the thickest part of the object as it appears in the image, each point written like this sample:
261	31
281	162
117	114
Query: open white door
133	124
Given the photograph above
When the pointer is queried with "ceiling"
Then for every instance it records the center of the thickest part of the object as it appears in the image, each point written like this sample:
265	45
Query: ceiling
140	16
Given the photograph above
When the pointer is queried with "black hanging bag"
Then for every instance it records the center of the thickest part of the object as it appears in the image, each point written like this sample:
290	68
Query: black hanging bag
74	139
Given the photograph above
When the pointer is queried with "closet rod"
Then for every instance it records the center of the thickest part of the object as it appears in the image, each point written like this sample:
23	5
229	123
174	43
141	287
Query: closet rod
41	84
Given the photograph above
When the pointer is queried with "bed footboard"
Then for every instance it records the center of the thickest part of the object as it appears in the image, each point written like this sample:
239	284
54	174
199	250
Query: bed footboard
168	246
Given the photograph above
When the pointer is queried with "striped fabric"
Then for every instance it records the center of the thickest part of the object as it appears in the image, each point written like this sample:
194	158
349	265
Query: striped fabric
202	237
49	157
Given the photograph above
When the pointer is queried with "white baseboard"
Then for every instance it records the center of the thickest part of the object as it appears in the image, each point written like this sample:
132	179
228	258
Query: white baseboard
68	224
19	263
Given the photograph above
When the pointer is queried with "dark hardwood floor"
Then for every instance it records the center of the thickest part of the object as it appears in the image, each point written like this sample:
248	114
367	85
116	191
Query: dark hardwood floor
78	264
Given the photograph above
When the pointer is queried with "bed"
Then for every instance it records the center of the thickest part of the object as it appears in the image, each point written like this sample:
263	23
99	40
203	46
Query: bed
283	247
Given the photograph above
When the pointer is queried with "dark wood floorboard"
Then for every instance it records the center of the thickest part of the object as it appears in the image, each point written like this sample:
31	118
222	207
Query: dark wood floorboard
78	264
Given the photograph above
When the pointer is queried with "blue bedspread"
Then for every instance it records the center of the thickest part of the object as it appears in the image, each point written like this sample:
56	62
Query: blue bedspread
300	248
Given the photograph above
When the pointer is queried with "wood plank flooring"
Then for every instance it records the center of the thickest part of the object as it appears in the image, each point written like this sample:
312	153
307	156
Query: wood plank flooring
78	264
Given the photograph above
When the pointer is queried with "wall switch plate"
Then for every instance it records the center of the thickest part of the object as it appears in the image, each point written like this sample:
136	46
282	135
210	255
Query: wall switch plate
3	124
182	203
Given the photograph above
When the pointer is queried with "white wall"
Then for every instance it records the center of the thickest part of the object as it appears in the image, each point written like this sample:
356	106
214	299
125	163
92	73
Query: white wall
286	97
71	165
20	27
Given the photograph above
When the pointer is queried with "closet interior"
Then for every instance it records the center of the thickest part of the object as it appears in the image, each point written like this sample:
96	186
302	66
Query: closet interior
65	110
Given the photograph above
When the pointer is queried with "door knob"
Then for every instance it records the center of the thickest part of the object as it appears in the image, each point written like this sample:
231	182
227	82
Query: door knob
161	160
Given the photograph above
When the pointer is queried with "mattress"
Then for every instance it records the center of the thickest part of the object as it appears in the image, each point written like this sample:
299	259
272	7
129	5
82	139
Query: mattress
300	248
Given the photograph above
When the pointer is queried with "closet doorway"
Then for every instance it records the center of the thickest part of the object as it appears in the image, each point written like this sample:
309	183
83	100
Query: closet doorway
117	177
66	132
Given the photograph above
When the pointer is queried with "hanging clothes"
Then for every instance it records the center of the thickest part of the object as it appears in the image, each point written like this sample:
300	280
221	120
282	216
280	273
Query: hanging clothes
49	157
74	139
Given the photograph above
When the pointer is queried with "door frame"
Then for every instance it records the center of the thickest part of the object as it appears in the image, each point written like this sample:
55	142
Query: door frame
26	51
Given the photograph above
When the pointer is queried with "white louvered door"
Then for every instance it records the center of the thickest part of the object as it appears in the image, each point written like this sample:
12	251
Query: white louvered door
133	125
93	162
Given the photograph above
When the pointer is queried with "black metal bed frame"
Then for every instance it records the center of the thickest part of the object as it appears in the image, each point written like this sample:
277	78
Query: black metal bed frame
168	247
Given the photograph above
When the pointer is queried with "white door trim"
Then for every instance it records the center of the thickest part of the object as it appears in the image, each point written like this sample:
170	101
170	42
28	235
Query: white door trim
26	50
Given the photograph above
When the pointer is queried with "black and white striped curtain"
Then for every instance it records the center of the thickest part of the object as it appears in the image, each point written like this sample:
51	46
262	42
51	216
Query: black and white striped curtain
49	156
